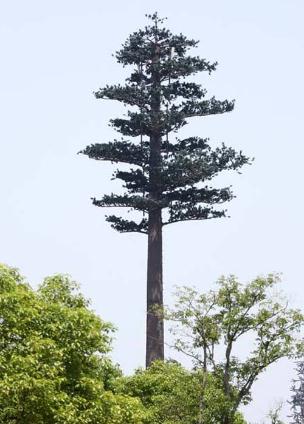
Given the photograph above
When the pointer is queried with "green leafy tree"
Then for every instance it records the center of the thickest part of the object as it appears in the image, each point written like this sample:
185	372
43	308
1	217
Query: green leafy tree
54	367
168	180
211	327
171	395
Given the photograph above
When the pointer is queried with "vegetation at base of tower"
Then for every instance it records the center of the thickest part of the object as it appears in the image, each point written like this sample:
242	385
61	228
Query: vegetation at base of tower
172	395
169	179
55	366
210	328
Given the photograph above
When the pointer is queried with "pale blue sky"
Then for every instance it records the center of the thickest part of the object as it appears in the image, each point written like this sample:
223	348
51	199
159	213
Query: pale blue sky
53	55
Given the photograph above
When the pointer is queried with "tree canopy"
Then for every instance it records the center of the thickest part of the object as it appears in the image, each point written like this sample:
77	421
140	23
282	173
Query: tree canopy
54	367
172	395
209	327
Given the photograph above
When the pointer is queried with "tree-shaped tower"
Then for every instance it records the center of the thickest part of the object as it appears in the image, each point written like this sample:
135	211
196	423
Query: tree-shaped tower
168	177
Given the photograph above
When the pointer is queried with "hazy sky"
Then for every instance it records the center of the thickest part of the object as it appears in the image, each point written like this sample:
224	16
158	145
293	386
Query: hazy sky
53	55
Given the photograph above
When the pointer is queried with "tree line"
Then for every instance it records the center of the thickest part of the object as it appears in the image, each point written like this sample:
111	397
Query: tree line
55	364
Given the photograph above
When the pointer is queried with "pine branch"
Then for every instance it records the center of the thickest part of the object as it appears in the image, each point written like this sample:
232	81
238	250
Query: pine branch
125	201
182	67
188	145
192	161
140	123
129	94
206	107
193	196
187	90
118	151
135	180
180	212
126	226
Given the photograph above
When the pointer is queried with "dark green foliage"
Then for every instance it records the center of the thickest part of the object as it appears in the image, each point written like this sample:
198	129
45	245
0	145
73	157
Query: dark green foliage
184	167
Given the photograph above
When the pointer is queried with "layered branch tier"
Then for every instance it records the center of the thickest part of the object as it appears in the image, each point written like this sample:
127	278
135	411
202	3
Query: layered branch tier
167	120
139	94
184	163
118	151
128	226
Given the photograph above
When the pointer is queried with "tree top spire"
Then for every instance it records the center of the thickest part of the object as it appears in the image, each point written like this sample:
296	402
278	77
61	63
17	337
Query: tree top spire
156	19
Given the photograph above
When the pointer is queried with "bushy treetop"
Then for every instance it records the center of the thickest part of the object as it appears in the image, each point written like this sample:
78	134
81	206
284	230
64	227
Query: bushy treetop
161	99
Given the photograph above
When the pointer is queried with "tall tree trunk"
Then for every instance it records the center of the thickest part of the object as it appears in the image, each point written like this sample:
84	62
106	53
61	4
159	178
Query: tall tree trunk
155	325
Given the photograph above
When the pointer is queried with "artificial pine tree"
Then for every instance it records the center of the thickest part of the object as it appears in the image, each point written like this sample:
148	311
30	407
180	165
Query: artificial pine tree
168	178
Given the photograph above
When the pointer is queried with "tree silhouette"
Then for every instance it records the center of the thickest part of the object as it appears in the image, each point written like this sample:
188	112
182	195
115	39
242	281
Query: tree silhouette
168	178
